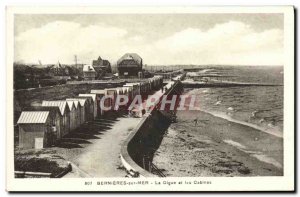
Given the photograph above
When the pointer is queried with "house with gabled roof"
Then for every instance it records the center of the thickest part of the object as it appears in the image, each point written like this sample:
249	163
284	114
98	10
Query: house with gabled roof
89	72
101	66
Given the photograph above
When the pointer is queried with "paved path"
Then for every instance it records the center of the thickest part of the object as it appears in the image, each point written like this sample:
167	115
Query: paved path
102	157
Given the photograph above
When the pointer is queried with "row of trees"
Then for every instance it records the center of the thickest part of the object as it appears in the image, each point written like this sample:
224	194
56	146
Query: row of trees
31	76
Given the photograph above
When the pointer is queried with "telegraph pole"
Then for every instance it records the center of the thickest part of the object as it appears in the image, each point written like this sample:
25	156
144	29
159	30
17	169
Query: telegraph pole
75	58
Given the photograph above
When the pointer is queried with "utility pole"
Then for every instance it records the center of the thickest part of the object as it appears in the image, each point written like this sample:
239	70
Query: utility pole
75	58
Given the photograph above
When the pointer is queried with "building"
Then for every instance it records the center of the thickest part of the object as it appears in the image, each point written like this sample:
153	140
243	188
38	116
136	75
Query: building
59	70
112	93
99	95
89	106
73	115
35	129
156	82
64	111
82	102
119	91
128	90
55	117
77	112
101	66
129	65
135	88
89	72
145	88
93	96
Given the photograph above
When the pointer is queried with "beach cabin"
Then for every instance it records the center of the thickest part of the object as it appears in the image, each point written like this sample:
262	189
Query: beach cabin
135	88
157	82
119	90
99	95
151	83
89	107
55	117
82	103
109	102
128	91
73	117
93	96
148	86
77	112
112	92
145	88
35	129
64	111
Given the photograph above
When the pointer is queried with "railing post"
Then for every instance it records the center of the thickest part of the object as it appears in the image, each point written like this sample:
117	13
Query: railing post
150	169
144	162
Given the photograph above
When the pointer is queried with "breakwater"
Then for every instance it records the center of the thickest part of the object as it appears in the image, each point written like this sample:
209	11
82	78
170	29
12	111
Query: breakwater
223	84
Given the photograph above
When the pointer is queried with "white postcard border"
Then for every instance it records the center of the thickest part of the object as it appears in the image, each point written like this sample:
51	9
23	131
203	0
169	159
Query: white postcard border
277	183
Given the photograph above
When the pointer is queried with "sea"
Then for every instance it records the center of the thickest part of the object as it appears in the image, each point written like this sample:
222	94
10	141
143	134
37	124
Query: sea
260	107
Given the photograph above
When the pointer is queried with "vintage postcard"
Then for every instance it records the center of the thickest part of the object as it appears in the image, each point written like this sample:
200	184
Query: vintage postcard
150	99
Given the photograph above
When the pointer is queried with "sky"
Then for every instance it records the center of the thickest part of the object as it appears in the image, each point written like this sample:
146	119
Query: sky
160	39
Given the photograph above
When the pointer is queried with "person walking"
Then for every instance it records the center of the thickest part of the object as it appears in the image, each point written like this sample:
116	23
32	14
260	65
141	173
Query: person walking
196	121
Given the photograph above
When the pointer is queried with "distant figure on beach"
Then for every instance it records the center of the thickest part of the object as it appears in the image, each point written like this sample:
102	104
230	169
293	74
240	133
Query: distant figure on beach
196	121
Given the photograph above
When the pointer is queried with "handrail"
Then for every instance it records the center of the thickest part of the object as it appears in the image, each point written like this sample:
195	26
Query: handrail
156	170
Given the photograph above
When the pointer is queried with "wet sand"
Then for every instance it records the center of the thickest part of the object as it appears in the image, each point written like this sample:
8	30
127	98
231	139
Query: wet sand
217	147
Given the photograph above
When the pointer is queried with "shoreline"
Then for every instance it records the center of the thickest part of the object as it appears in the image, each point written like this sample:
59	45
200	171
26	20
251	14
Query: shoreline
277	131
254	126
217	147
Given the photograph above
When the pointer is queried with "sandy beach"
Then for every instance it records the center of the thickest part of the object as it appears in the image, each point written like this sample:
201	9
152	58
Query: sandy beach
217	147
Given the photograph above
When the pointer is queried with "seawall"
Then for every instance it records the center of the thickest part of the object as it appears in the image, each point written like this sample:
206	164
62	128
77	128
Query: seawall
138	149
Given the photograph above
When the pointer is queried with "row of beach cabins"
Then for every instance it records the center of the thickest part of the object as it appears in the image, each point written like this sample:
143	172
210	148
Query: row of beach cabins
41	126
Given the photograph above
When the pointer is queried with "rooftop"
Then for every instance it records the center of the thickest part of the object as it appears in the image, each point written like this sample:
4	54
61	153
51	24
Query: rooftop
88	68
30	117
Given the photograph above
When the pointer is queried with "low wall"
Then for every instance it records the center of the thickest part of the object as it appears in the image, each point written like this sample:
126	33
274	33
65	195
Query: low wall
126	158
27	174
145	139
22	174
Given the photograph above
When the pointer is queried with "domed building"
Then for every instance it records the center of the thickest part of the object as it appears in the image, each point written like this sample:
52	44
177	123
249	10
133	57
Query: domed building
130	64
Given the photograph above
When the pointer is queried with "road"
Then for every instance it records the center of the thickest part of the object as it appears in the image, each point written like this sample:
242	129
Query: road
102	157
